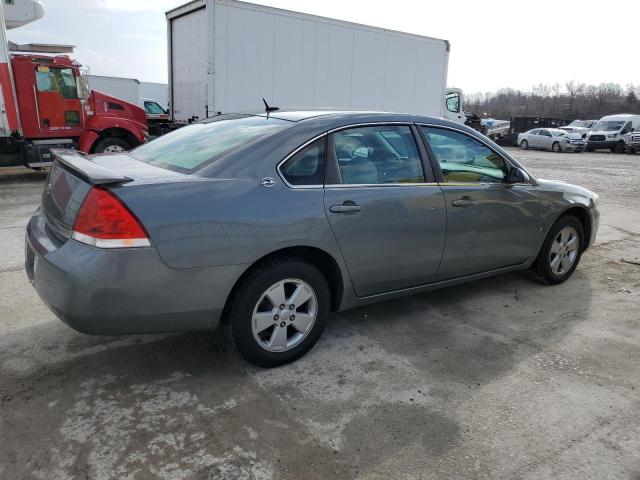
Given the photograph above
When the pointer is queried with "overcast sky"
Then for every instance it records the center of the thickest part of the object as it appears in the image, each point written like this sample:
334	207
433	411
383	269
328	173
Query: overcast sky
494	43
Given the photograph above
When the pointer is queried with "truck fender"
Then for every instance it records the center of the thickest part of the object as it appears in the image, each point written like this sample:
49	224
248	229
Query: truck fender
98	128
87	140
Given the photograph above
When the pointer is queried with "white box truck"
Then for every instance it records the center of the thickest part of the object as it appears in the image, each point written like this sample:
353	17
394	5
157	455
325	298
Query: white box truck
226	56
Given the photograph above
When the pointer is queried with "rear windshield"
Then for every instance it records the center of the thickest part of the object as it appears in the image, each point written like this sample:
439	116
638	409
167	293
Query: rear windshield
190	148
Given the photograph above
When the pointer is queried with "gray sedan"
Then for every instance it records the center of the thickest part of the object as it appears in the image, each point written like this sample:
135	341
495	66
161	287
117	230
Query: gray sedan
552	139
267	223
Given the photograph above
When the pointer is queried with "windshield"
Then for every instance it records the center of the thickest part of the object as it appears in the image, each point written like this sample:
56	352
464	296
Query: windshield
191	147
609	125
558	133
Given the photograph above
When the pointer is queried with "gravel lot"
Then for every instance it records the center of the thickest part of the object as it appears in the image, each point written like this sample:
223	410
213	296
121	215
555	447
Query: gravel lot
498	379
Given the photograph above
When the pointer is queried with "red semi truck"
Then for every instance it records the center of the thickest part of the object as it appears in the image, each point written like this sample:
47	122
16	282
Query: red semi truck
45	102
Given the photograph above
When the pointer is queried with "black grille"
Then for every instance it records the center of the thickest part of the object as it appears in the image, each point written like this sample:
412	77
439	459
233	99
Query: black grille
597	138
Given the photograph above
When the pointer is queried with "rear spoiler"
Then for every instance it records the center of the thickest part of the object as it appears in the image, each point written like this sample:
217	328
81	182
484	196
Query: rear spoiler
85	168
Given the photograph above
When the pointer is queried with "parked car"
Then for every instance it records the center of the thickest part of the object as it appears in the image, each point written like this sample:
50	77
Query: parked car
268	222
583	127
551	139
611	132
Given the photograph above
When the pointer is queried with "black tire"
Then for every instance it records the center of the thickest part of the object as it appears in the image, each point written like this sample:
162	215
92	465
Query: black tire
556	147
238	316
619	148
589	149
110	142
542	266
524	145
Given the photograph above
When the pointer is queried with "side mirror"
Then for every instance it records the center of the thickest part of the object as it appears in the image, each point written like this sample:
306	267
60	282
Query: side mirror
517	175
83	88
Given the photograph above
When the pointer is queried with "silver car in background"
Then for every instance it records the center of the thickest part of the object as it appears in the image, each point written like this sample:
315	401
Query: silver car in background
552	139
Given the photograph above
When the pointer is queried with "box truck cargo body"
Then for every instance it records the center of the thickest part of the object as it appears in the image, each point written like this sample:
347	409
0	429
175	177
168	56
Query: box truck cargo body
226	55
127	89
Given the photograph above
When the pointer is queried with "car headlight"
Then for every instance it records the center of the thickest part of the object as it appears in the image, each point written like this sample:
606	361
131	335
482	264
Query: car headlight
566	140
611	135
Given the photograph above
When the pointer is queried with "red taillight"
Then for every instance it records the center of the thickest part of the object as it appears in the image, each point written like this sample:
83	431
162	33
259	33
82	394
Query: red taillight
104	221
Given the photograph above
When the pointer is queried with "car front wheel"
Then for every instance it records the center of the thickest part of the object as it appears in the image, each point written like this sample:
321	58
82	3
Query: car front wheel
556	147
524	145
278	312
561	251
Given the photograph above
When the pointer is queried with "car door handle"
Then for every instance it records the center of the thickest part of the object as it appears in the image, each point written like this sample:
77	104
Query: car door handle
462	202
344	208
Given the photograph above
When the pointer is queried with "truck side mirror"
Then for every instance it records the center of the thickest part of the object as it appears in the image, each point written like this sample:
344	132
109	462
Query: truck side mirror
83	88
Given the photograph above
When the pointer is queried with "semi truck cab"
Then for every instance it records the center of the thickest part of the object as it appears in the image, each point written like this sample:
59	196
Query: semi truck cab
54	108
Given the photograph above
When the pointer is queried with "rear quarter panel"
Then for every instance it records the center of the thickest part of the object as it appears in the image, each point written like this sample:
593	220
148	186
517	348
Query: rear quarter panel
214	222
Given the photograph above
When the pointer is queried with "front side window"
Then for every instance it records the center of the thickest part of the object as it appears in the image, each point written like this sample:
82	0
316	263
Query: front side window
190	148
453	102
60	80
307	166
545	133
377	155
464	159
154	108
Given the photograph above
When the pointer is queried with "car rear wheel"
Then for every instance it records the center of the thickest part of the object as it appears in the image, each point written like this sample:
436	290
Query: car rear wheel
112	145
278	312
561	251
556	147
524	145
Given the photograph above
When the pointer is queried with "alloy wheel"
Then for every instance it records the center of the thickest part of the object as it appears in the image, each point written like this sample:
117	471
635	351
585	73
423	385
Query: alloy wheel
564	250
284	315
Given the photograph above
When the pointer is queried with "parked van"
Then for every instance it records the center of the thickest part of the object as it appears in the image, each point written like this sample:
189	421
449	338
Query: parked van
612	132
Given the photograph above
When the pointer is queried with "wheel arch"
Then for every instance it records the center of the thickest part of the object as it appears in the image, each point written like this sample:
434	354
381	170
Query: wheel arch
583	216
319	258
118	132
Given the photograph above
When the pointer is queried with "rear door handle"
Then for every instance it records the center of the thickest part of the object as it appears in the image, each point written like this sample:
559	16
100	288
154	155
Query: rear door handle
462	202
344	208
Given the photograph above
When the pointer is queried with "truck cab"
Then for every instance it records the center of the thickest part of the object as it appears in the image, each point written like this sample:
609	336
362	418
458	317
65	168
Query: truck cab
55	109
612	132
453	105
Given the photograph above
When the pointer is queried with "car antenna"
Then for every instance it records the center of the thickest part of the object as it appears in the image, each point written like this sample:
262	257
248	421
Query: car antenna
269	109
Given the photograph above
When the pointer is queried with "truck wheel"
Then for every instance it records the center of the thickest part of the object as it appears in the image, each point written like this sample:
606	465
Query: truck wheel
112	145
524	145
619	148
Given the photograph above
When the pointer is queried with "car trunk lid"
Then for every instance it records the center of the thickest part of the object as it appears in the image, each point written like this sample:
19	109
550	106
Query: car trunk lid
73	175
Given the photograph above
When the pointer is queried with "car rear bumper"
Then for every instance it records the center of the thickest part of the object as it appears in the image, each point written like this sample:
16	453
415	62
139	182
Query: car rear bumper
122	291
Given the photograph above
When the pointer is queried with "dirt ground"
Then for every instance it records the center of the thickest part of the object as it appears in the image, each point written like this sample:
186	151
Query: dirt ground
498	379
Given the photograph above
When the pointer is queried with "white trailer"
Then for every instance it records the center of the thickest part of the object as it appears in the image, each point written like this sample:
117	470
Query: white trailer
127	89
226	55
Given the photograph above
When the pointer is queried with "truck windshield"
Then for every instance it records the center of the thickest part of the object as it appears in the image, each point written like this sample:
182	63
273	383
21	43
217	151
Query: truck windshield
579	123
191	147
609	126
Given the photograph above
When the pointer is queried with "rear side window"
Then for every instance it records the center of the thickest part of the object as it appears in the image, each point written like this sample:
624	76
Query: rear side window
190	148
377	154
307	166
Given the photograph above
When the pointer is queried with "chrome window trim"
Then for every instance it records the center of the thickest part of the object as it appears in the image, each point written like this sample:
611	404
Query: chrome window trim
329	132
506	160
370	185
